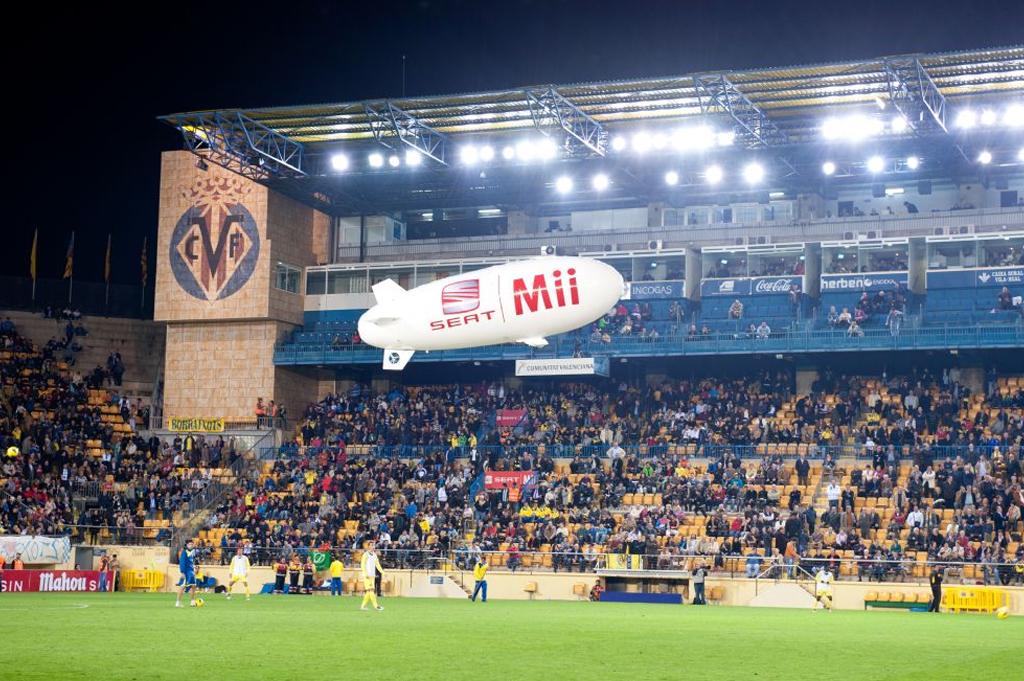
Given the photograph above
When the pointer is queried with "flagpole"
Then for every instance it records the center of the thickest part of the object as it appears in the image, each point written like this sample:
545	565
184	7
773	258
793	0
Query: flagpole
35	244
145	277
71	274
106	275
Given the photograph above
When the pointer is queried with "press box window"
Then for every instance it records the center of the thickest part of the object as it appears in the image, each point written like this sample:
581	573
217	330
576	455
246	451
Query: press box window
287	277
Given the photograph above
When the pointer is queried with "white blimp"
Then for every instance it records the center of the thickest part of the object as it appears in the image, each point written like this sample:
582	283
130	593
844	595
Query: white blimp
521	302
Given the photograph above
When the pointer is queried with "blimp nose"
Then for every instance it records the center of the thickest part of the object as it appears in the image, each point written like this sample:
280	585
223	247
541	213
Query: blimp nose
612	277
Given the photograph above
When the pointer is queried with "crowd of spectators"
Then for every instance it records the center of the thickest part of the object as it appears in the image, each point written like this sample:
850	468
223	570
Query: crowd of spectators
962	505
60	446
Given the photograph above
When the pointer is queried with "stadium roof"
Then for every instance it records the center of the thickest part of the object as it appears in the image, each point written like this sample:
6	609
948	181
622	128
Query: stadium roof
778	109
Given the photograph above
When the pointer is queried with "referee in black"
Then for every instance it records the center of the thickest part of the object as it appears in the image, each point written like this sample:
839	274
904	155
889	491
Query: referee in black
936	581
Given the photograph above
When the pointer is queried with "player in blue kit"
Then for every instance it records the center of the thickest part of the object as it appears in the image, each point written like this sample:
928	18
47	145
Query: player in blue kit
187	566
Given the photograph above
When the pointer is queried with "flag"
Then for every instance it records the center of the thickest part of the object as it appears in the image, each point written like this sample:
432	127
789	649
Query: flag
145	271
32	260
321	559
106	266
70	264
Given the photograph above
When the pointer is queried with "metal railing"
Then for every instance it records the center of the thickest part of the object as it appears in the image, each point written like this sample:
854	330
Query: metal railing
212	495
114	534
904	568
570	450
638	236
1005	335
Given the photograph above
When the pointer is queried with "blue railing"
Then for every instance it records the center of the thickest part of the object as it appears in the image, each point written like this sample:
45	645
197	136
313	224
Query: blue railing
1008	335
559	451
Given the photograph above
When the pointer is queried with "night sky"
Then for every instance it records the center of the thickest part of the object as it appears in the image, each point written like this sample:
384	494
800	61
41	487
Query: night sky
86	129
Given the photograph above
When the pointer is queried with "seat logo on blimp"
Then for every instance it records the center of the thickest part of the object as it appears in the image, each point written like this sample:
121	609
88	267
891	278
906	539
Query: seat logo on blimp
461	297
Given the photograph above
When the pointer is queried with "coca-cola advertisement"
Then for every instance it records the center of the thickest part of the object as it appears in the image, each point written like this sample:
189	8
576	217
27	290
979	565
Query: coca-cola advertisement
15	581
775	285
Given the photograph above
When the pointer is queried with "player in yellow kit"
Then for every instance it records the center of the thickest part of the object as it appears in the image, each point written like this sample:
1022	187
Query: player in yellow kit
239	572
480	575
823	589
368	567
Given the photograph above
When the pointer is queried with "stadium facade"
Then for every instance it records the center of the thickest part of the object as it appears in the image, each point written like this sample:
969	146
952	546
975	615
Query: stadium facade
892	174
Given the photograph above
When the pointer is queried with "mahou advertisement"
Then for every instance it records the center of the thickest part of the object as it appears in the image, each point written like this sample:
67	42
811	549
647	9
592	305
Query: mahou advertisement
15	581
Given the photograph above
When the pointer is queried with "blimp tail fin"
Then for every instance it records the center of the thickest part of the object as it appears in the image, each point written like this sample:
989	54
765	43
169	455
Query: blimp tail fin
388	291
395	360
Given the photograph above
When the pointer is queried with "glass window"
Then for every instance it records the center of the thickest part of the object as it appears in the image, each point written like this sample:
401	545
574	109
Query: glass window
724	265
1004	252
347	281
951	255
287	277
316	283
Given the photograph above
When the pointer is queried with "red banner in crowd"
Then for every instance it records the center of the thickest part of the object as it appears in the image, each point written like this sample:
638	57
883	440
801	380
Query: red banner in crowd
54	580
514	480
509	418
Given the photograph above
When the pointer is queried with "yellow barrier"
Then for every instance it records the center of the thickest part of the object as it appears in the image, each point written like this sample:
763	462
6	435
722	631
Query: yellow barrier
142	579
974	598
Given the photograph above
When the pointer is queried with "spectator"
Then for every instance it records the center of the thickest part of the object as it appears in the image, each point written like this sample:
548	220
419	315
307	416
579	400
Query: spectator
833	316
1005	299
736	310
763	330
855	331
894	321
795	298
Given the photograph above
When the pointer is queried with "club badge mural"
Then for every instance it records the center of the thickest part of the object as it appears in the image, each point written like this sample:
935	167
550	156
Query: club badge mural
216	244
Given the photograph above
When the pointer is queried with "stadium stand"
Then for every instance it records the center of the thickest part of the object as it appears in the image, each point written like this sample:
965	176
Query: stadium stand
74	462
731	472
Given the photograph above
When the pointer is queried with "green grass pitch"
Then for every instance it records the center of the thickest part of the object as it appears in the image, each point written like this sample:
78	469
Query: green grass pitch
143	637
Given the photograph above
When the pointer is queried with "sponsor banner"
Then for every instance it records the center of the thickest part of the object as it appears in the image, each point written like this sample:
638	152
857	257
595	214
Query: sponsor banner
883	281
725	287
35	550
55	580
195	425
516	481
656	290
576	366
977	278
775	285
509	418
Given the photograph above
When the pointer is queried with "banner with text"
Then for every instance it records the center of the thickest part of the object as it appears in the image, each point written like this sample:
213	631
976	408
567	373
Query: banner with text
15	581
35	550
995	277
516	481
576	366
196	425
746	286
774	286
878	281
656	290
509	418
725	287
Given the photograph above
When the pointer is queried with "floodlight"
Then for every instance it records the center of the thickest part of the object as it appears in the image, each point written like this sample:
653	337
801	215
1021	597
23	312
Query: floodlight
339	162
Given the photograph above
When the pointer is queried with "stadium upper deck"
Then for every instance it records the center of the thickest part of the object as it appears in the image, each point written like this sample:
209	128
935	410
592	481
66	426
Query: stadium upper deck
813	127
